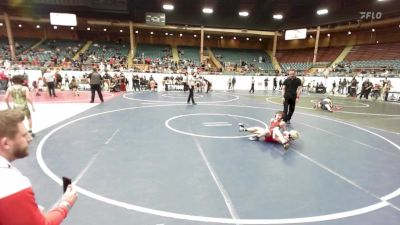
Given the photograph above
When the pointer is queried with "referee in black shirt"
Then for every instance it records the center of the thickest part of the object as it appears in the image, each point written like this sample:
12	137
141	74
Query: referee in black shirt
95	81
191	95
290	95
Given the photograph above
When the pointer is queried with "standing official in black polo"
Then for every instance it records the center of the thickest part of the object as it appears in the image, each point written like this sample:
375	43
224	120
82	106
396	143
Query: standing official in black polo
95	81
290	95
191	94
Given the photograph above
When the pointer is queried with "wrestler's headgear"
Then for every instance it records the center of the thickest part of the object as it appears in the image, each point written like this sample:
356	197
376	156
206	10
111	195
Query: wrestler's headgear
294	134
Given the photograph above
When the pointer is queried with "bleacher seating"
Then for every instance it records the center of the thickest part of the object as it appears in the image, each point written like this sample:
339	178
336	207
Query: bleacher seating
152	51
298	59
296	66
231	57
4	49
328	54
389	64
190	53
21	44
104	51
375	56
52	50
294	55
109	53
301	59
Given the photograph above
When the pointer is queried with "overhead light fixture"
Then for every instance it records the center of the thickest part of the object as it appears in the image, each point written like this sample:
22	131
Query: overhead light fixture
322	11
121	31
277	16
88	28
55	27
105	29
72	28
311	36
222	37
244	13
195	35
19	25
208	10
37	26
208	36
234	38
328	35
247	39
151	33
171	34
166	33
349	32
260	39
168	7
1	24
180	35
373	30
377	42
137	32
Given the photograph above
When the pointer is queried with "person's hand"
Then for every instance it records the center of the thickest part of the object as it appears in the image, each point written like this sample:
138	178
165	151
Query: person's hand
297	100
69	197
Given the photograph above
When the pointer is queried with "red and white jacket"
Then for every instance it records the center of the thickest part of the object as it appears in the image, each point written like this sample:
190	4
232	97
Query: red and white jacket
17	200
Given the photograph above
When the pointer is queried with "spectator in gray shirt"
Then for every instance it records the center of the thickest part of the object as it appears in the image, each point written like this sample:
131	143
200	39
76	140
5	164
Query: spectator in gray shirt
95	81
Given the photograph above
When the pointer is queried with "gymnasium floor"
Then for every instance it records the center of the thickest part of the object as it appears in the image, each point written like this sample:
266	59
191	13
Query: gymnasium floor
151	159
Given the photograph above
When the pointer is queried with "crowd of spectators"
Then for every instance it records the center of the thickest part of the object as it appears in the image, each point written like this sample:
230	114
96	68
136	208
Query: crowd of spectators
112	56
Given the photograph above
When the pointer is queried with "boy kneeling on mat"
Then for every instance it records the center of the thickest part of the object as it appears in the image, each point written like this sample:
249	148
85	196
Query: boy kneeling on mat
276	132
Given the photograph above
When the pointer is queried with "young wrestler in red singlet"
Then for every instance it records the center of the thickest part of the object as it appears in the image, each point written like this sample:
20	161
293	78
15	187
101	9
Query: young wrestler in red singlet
276	132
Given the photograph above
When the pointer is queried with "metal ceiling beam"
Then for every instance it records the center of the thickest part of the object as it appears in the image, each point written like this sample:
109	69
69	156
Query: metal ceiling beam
184	28
361	25
146	26
339	28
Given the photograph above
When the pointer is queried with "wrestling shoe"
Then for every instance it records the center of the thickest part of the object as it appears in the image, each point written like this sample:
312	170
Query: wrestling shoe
241	127
254	138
